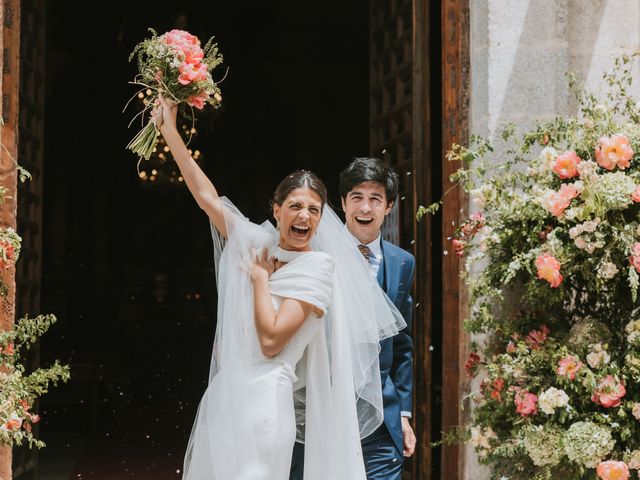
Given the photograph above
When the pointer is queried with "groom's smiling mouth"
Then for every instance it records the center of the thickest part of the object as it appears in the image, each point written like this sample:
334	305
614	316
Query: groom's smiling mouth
364	220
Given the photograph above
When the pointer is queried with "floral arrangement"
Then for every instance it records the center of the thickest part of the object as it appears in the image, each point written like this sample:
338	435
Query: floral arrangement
176	66
552	262
19	390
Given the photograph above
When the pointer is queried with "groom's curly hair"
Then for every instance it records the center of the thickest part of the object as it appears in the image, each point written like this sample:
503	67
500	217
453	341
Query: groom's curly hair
369	169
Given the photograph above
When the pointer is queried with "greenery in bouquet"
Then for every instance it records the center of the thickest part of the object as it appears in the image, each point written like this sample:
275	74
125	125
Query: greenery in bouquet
19	389
552	256
176	66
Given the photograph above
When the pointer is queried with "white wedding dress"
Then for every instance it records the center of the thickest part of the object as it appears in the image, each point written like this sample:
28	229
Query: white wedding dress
245	428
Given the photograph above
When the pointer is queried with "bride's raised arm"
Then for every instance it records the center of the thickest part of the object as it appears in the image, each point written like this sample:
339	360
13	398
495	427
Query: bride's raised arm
198	183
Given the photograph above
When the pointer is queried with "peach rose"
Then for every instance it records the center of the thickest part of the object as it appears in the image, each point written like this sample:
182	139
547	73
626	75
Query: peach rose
614	151
569	366
526	403
535	338
191	73
549	269
565	165
635	196
198	101
634	259
557	202
608	392
612	470
458	247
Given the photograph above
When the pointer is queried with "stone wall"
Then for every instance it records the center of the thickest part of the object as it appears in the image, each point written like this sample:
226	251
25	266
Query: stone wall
520	51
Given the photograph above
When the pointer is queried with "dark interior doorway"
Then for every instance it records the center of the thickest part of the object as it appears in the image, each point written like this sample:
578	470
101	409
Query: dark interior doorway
127	266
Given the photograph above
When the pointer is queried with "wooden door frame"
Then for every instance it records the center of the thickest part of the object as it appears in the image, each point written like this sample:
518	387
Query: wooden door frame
455	129
10	86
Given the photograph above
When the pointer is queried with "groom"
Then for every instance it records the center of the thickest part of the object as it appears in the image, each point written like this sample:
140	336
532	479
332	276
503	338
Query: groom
368	189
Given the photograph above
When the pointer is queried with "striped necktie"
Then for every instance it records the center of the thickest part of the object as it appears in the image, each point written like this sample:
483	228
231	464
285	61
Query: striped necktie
365	251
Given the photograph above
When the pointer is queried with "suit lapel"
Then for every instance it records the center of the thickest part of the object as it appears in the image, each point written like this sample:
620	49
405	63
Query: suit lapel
391	270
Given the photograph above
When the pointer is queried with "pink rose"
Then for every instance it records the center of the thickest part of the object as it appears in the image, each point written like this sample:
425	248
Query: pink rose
498	386
634	259
198	101
526	403
458	247
565	165
192	73
535	338
557	202
635	196
13	424
608	392
549	269
614	151
612	470
470	366
569	366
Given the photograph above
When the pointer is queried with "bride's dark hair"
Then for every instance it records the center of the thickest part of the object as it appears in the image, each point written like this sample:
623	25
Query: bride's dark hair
299	179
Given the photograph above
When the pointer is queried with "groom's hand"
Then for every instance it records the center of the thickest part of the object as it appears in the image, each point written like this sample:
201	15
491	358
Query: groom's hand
408	437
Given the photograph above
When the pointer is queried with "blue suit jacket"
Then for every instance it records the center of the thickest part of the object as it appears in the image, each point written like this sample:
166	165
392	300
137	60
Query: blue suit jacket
396	353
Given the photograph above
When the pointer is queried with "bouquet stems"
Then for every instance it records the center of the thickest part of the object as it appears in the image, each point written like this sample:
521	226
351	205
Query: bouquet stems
145	141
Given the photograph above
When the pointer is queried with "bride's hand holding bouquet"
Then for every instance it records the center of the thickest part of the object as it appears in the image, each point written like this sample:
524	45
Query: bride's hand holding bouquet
175	66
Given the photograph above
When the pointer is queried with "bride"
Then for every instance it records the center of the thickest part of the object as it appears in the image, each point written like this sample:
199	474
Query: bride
295	355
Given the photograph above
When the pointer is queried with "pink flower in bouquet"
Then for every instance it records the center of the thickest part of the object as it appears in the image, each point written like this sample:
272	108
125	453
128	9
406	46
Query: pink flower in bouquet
536	338
181	39
526	403
511	347
612	470
8	350
557	202
192	73
198	101
569	366
565	165
549	269
608	392
635	256
614	151
635	196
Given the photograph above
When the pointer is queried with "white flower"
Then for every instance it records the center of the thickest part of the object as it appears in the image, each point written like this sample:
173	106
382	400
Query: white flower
478	198
607	270
481	440
548	156
587	170
598	356
600	109
551	399
635	411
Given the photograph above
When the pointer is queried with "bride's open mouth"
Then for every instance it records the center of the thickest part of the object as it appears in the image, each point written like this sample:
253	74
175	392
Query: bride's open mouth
300	231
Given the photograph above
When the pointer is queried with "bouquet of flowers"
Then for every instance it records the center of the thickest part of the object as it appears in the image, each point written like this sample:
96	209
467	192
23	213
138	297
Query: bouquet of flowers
552	262
176	66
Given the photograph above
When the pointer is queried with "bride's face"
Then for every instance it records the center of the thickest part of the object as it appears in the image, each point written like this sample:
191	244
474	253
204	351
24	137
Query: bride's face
298	217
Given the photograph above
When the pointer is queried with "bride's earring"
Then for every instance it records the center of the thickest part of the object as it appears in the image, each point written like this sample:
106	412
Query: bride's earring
277	224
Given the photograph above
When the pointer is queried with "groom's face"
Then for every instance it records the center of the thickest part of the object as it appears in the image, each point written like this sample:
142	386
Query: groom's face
365	207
